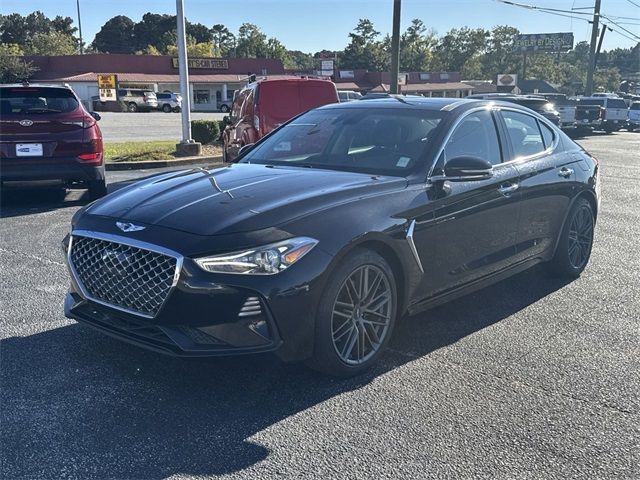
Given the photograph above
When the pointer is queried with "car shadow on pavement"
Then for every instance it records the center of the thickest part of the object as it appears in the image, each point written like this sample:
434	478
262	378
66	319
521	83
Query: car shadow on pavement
78	403
20	202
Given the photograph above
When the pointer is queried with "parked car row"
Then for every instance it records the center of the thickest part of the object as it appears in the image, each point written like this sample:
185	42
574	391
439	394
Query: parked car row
606	112
141	100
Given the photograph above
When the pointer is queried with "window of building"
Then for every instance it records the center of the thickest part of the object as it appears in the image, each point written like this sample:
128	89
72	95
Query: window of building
201	96
444	76
425	76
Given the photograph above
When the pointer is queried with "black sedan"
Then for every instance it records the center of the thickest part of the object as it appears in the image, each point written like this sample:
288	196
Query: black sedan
331	228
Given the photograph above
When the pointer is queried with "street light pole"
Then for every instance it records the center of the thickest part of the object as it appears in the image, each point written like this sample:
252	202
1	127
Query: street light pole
187	146
395	47
79	27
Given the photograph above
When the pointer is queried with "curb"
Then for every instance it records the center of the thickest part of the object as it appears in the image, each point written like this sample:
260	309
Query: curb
110	166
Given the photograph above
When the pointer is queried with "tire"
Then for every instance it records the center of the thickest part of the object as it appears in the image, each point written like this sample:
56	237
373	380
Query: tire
132	107
97	189
166	108
575	243
349	339
224	109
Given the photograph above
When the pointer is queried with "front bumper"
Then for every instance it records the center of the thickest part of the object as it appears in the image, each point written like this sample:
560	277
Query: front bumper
206	314
68	169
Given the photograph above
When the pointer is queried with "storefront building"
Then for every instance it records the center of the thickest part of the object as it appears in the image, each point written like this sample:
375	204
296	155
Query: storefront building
212	81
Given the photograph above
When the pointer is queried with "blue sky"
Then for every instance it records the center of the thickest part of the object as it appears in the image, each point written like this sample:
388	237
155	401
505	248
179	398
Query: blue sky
311	25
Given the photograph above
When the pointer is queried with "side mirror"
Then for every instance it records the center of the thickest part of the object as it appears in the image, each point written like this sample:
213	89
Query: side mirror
466	169
245	149
95	115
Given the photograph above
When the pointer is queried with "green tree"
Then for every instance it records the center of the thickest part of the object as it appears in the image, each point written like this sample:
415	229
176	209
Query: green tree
606	79
11	50
225	41
151	29
499	56
364	49
297	60
194	49
20	30
52	43
252	43
14	69
275	49
459	45
116	36
416	47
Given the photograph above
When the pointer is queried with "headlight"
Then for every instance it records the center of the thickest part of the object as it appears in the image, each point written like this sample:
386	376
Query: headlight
265	260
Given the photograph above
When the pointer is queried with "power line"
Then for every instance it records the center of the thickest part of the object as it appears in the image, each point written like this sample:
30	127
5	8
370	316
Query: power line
621	27
633	3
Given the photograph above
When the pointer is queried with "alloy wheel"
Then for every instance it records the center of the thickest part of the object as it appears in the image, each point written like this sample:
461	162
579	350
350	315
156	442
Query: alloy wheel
361	314
580	237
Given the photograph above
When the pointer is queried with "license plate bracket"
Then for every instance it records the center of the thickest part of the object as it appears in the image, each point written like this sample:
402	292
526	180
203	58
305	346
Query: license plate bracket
29	150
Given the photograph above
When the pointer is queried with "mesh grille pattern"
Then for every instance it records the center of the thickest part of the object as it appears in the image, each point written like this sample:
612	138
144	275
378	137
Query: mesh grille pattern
121	275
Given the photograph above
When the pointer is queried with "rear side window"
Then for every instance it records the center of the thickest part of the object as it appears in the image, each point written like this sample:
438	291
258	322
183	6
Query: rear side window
616	103
547	135
36	100
524	133
592	101
635	106
162	96
475	137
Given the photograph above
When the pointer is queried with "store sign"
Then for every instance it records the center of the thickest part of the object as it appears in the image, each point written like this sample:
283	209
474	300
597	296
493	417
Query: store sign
107	85
347	74
209	63
327	65
507	80
543	42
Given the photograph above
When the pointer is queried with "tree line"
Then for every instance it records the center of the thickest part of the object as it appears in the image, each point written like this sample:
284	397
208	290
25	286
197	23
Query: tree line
477	53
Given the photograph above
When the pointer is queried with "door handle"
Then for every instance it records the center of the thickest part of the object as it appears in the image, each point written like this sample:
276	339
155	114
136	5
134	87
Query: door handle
565	172
507	189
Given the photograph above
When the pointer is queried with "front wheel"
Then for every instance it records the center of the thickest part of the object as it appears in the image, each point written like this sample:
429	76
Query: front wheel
224	109
576	241
356	315
166	108
132	107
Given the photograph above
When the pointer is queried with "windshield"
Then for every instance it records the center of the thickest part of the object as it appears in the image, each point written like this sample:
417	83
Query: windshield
368	140
36	100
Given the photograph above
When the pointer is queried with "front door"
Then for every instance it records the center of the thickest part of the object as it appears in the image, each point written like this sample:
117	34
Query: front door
472	233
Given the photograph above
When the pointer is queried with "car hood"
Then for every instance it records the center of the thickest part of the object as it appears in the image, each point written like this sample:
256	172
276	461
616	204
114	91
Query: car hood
238	198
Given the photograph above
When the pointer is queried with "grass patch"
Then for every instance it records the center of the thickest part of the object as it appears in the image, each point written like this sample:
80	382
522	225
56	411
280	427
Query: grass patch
140	151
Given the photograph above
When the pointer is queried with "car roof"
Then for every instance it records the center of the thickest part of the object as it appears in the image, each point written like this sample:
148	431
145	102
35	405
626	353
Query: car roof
33	85
423	103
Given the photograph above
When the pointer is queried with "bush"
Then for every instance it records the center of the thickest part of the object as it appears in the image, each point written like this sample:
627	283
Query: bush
205	131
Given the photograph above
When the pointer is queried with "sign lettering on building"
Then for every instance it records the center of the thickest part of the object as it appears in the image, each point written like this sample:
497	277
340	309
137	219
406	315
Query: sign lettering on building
210	63
107	85
543	42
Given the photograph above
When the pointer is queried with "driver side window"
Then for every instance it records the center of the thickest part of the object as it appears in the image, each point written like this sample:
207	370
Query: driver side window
475	136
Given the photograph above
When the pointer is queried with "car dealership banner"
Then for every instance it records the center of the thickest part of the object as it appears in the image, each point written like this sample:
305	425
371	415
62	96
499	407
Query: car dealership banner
543	42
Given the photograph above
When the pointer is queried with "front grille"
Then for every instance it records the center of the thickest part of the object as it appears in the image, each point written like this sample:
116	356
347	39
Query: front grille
123	276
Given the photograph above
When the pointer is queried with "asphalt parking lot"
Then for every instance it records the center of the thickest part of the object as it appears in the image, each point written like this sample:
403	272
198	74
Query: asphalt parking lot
530	378
125	126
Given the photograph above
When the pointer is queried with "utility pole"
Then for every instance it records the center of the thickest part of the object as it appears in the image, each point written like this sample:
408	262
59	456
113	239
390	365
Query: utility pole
186	146
395	47
80	27
592	48
604	29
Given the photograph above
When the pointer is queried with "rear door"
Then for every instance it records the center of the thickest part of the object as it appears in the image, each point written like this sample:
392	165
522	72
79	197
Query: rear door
40	122
547	178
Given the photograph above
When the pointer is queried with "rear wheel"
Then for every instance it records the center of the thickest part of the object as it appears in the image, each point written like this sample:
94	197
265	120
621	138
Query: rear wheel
166	108
132	107
224	109
575	243
97	189
356	315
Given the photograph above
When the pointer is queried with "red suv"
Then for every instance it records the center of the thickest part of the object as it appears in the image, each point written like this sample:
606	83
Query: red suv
47	135
262	106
